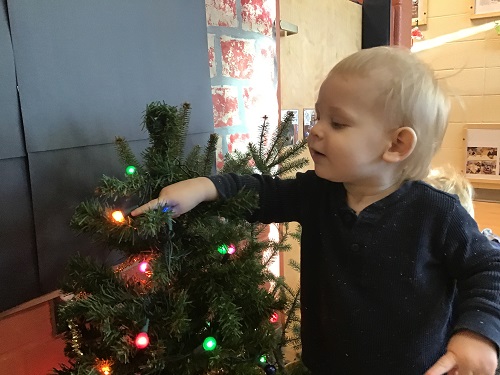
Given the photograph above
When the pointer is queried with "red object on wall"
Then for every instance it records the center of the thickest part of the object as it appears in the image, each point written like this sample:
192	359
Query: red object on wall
237	57
225	103
401	23
256	16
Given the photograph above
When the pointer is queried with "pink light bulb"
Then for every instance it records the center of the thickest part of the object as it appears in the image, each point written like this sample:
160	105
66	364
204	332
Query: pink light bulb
231	249
143	266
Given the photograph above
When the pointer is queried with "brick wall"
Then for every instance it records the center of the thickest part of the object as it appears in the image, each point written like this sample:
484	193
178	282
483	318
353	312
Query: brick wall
243	69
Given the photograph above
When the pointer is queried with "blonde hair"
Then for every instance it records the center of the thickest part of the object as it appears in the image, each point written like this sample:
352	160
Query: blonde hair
411	97
449	180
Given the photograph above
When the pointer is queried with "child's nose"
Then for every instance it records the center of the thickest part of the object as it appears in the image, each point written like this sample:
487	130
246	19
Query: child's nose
316	130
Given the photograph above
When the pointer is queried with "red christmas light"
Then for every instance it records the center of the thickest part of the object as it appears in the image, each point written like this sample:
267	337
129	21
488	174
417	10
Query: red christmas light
142	340
274	318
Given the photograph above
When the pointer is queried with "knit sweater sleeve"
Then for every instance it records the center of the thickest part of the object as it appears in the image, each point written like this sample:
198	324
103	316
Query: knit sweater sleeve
279	199
474	262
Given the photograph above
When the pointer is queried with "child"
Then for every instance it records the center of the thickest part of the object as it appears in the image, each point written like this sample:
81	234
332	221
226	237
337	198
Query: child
449	180
381	250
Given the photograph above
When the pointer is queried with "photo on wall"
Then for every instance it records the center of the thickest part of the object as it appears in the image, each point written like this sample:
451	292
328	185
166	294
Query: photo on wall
481	159
293	137
309	120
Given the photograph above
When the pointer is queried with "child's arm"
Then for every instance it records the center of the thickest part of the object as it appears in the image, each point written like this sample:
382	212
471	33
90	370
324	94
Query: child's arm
467	353
279	200
182	196
474	263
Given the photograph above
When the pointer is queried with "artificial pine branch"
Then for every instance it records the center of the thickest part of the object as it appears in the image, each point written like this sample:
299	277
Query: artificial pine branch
263	135
193	159
209	159
278	140
237	162
124	152
184	117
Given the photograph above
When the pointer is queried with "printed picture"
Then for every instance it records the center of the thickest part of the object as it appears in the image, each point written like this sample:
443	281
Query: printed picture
414	8
482	160
309	120
481	152
293	136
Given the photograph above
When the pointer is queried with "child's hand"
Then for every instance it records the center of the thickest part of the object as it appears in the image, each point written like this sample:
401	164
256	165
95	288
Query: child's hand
182	196
468	354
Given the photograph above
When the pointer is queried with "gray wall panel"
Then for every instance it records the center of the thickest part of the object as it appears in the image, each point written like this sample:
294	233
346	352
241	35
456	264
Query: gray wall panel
11	142
18	258
61	179
86	69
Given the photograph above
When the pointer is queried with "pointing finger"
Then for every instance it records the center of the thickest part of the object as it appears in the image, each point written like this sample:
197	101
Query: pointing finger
145	207
444	364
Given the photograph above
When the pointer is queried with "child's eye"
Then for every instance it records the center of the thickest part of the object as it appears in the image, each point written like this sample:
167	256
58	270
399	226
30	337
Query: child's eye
337	125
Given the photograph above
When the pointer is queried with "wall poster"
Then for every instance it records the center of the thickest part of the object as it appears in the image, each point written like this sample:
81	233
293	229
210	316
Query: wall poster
485	8
483	144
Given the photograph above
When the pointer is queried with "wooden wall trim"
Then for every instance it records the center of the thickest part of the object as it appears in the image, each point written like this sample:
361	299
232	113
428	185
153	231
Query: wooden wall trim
401	23
32	303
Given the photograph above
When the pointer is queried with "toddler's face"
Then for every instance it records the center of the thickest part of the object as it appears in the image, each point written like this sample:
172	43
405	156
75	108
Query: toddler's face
351	133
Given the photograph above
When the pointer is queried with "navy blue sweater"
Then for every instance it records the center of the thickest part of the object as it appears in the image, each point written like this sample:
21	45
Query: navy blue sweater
383	291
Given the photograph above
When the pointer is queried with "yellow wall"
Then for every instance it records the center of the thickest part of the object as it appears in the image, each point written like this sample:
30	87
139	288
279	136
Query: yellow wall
472	65
329	30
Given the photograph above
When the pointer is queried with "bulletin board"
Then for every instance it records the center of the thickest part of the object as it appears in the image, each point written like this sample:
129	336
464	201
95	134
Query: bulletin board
485	8
481	154
418	12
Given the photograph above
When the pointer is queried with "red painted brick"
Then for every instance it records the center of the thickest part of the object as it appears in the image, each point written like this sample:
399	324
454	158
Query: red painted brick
258	15
211	55
237	57
225	105
237	142
221	13
248	98
265	61
220	160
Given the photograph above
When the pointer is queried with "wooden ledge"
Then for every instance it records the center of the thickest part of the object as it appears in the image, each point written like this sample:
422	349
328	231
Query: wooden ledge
32	303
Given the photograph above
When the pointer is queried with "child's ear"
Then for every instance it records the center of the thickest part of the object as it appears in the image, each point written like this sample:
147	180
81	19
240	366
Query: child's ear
402	145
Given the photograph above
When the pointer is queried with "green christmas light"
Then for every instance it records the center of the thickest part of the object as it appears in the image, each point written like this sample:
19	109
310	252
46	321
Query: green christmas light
130	170
209	343
263	359
222	249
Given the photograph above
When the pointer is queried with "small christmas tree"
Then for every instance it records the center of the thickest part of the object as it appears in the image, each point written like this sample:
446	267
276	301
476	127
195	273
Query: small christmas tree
190	298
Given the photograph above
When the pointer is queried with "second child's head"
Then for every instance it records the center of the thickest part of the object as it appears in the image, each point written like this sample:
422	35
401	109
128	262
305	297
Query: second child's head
448	179
379	111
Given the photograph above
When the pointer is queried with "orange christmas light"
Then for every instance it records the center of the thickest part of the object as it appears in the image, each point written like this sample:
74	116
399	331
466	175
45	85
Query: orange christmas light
118	216
104	366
